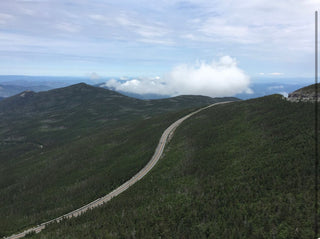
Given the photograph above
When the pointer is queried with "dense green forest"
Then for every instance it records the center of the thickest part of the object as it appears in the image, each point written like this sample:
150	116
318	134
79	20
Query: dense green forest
63	148
239	170
59	180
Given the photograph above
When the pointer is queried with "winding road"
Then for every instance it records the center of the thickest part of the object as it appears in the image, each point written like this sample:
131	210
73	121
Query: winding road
155	158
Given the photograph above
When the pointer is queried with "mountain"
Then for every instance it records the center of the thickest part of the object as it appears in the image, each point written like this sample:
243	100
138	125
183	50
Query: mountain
238	170
87	96
307	93
80	108
63	148
31	120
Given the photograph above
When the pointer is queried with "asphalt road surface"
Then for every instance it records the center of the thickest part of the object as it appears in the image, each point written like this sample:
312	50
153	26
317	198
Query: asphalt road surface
167	134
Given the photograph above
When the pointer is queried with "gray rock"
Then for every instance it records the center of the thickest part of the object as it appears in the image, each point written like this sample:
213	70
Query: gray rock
306	94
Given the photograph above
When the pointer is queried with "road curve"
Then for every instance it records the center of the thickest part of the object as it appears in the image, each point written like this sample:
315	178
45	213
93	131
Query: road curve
155	158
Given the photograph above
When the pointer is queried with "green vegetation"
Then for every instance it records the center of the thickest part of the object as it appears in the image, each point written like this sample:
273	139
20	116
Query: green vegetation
64	148
45	184
53	118
240	170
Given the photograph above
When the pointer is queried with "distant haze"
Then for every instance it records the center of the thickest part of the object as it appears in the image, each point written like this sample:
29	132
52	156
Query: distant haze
162	87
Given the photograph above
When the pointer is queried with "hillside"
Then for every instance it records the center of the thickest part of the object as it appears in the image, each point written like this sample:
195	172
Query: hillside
63	148
304	94
240	170
30	120
84	95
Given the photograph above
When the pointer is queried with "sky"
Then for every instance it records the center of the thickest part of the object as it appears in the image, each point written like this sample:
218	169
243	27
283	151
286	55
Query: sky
212	47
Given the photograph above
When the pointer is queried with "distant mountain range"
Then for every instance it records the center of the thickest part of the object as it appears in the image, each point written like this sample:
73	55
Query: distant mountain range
50	81
11	85
9	90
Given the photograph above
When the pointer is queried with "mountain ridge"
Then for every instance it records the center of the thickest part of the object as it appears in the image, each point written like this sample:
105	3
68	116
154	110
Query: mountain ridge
306	94
84	94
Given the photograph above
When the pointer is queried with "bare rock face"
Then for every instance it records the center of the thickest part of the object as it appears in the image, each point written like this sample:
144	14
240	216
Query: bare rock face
306	94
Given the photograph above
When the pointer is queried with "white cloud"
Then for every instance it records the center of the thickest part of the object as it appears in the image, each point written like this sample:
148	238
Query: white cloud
5	18
276	74
140	86
215	79
94	77
261	25
150	30
157	41
27	11
68	27
285	94
135	27
97	17
249	91
123	78
132	24
33	1
220	28
275	87
222	78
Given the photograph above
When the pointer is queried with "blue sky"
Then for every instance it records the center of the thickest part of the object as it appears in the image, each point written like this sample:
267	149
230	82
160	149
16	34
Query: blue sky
152	39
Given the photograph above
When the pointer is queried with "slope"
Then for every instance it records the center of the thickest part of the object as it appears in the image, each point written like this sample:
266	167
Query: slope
307	93
241	170
31	120
66	147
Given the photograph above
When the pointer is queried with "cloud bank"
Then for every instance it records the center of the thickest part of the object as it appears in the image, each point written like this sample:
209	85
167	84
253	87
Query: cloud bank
215	79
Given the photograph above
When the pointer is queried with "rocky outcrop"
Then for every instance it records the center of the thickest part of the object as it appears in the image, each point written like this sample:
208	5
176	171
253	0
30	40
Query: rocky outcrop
306	94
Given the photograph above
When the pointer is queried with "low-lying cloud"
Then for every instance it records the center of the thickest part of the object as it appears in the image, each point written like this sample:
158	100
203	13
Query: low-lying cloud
215	79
